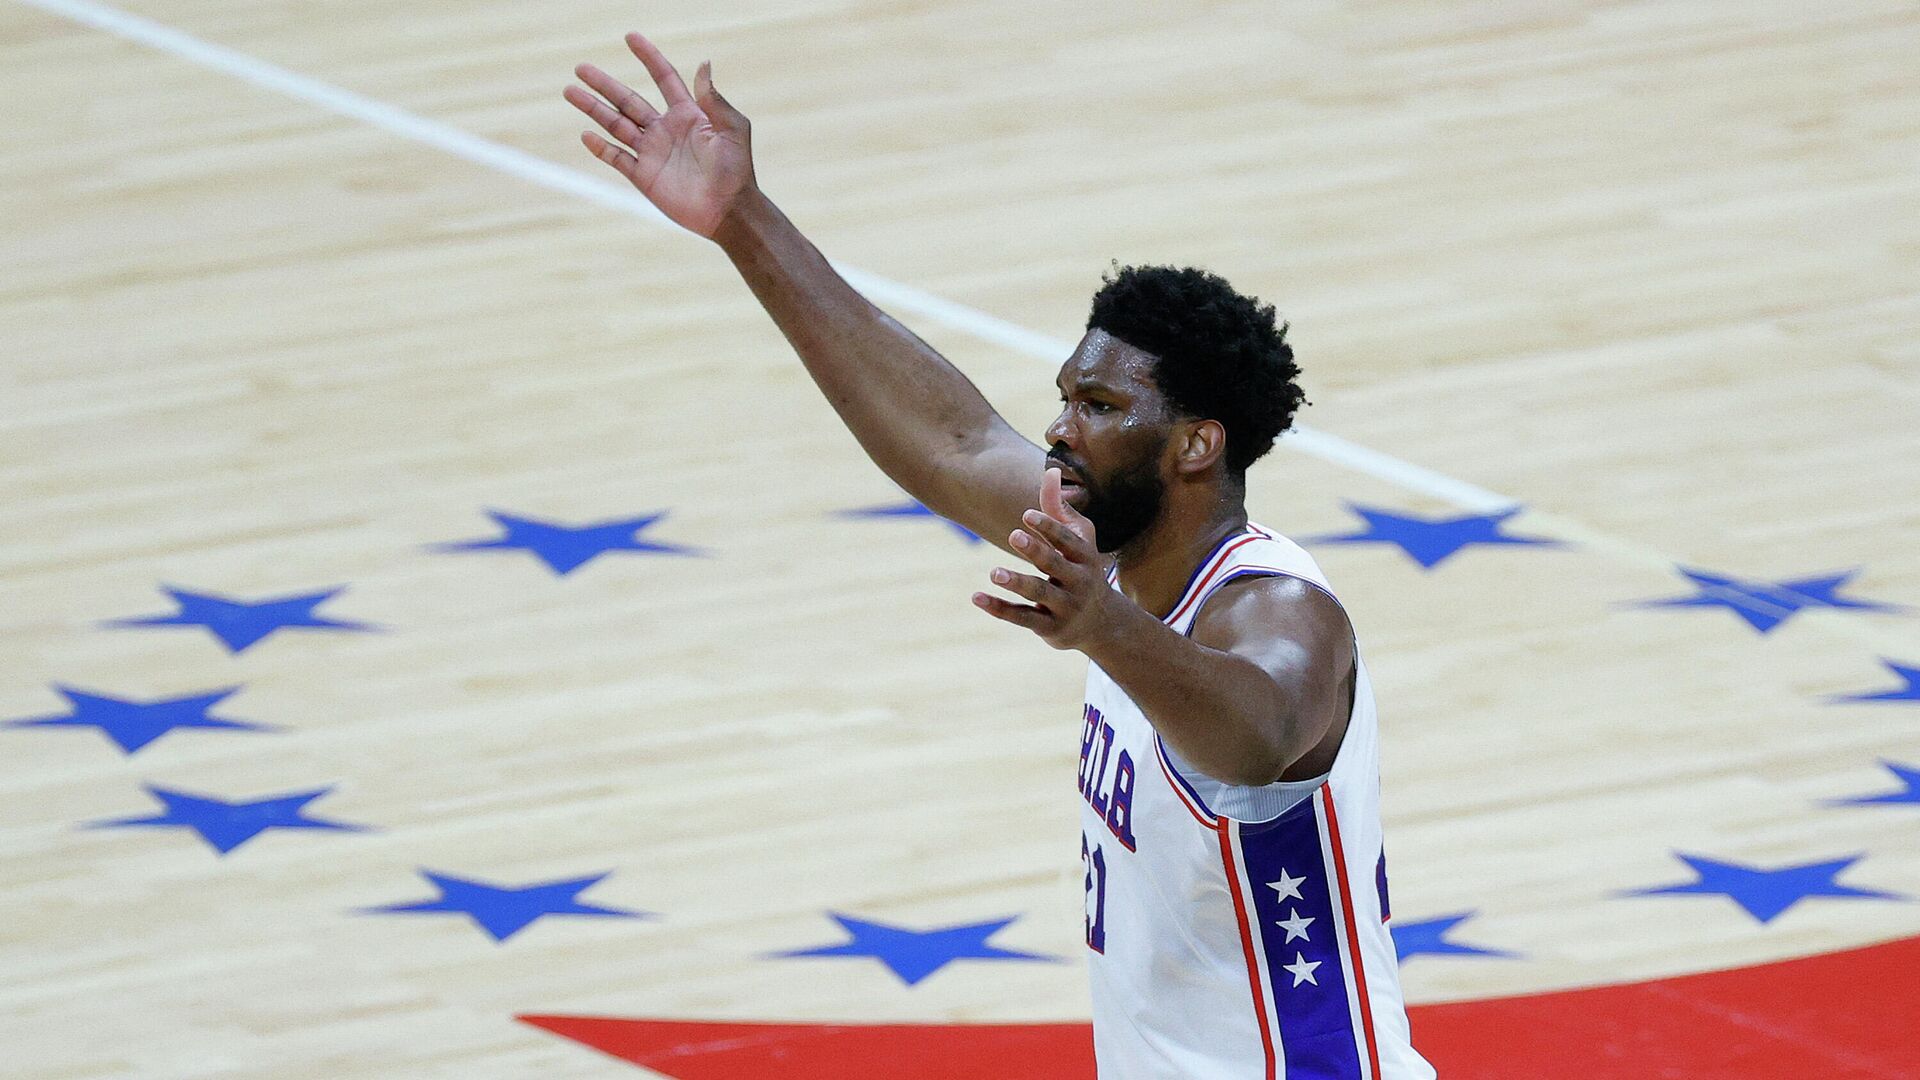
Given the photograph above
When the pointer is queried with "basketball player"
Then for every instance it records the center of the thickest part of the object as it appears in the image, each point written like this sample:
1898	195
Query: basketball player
1235	884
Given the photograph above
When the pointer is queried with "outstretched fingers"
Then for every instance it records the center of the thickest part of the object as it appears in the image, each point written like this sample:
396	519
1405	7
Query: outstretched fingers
1059	535
623	97
664	75
1041	553
622	162
616	124
1023	615
1042	592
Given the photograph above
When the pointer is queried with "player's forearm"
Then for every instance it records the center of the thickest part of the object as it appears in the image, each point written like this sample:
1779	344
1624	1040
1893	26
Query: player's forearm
902	400
1221	713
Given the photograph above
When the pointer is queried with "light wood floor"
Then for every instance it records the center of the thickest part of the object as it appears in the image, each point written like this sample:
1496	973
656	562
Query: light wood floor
1650	269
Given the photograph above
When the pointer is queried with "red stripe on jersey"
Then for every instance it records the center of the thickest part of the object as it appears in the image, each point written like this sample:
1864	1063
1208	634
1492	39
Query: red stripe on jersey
1200	586
1275	571
1227	829
1180	791
1353	939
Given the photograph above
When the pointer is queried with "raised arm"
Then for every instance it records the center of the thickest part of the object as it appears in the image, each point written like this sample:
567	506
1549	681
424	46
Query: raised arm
916	415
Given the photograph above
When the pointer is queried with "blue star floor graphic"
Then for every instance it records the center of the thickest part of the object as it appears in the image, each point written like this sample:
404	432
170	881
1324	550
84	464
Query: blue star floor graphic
913	955
1430	938
1909	795
566	548
504	910
227	825
1431	541
1765	894
1910	692
133	724
911	509
1765	605
239	624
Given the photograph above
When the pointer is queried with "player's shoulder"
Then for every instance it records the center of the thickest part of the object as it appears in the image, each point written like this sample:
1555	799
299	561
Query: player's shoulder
1269	600
1260	551
1266	582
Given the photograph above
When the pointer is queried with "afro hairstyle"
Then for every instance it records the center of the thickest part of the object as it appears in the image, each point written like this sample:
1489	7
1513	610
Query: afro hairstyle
1219	355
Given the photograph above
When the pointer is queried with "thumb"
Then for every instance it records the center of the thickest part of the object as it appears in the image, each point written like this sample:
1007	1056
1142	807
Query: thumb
1055	506
1051	504
718	109
1081	525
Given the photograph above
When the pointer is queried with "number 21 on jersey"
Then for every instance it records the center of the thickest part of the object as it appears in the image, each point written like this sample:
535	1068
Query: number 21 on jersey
1095	862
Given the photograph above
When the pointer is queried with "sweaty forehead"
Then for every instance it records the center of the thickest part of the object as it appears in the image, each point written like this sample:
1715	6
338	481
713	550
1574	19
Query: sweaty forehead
1104	360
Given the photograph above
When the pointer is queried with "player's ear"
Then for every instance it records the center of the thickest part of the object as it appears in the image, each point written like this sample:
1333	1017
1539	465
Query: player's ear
1201	444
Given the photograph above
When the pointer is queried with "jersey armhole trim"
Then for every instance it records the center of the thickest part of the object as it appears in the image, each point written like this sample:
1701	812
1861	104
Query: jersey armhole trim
1305	790
1248	570
1202	583
1183	790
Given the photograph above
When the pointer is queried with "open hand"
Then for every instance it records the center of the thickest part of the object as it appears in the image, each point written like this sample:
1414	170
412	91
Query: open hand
693	161
1068	605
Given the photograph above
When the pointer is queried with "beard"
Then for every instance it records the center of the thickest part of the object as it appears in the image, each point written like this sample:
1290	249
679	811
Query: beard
1122	504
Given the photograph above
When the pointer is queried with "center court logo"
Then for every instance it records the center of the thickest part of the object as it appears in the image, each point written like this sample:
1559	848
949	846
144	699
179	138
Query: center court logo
1821	1023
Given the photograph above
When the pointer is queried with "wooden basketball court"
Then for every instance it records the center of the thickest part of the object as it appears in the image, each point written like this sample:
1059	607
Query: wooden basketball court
295	295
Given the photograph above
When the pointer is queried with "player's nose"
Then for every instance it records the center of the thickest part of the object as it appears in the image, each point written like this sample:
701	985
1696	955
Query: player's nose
1061	431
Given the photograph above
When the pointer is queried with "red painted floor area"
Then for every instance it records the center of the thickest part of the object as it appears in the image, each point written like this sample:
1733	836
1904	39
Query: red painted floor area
1841	1016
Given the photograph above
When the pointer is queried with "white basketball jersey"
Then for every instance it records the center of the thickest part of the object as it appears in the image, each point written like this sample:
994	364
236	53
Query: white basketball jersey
1227	948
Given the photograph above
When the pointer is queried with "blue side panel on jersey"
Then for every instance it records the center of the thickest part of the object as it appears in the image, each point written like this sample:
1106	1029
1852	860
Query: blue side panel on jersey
1316	1025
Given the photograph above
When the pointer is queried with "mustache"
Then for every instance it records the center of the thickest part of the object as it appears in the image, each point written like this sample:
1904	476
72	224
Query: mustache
1059	456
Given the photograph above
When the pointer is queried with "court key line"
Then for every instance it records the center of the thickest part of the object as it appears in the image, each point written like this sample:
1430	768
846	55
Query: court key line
883	291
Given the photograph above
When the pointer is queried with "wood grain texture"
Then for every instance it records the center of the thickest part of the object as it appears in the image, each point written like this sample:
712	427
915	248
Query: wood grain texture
1652	269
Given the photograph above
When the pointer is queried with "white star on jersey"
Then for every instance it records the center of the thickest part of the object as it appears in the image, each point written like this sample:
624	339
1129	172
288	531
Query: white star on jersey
1302	969
1295	926
1209	899
1288	887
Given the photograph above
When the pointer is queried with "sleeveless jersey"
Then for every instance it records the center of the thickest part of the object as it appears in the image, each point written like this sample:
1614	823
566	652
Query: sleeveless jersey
1229	948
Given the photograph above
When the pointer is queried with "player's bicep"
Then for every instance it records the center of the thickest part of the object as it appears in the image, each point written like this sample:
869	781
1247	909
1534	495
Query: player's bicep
985	486
1299	636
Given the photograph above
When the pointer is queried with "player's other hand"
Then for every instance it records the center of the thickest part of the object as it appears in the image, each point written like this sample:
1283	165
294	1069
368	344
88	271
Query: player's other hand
1068	605
693	161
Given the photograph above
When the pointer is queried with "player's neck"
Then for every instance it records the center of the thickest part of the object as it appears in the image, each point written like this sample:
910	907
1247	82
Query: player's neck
1157	566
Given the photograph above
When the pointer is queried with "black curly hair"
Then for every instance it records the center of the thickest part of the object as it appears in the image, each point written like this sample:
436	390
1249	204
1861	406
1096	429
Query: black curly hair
1219	355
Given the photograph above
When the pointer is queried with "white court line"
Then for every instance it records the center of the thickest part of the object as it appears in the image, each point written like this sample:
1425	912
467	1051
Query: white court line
891	294
886	293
